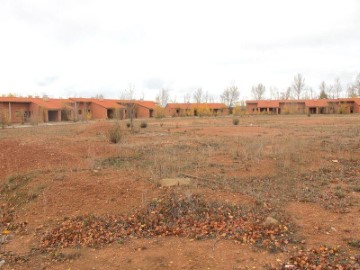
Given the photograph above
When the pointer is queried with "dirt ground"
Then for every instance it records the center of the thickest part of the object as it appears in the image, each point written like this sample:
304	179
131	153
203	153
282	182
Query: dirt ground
273	192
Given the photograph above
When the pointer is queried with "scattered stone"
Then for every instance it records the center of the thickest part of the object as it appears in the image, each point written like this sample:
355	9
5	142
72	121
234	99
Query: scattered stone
270	221
169	182
59	177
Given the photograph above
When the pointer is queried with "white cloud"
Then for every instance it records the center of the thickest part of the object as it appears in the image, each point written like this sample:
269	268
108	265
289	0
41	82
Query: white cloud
93	46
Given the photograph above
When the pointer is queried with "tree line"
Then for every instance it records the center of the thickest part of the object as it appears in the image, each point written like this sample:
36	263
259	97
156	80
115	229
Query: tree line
231	94
297	90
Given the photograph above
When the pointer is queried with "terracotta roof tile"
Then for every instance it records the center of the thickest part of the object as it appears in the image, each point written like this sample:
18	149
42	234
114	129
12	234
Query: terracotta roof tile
15	99
268	104
317	103
187	106
51	103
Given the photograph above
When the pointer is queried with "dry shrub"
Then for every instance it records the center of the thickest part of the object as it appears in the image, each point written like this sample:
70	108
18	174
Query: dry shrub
115	133
143	124
235	121
159	112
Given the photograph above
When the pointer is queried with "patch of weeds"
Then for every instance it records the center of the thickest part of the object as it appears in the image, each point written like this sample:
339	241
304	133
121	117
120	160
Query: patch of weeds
117	161
357	189
15	182
16	191
339	193
35	192
143	124
354	243
120	240
235	121
115	133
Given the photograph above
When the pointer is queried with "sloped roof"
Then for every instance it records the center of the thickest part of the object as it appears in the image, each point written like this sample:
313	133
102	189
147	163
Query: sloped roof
268	104
47	103
144	103
187	106
106	103
82	99
147	104
355	100
51	103
15	99
317	103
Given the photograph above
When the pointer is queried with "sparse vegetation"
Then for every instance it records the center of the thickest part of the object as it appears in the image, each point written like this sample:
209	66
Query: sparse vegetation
115	134
269	186
236	121
143	124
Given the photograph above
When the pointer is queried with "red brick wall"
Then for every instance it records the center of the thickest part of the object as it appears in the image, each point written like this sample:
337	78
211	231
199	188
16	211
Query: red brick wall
15	114
38	113
142	112
251	108
98	112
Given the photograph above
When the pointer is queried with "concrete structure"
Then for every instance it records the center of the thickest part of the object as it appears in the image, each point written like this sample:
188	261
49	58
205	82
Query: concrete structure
196	109
315	106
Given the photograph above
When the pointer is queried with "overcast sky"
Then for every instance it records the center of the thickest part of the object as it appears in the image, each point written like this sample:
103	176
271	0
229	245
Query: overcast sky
88	47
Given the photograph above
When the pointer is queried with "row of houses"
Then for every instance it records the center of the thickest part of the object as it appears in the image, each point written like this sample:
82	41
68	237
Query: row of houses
319	106
21	110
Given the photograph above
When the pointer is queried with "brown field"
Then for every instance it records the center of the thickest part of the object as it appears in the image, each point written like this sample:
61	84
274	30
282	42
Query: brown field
274	192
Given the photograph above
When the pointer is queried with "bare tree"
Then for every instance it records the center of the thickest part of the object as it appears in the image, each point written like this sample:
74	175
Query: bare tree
163	97
206	97
274	93
337	88
298	86
258	91
286	94
331	91
323	89
354	88
187	97
129	93
356	84
230	96
99	96
198	95
352	91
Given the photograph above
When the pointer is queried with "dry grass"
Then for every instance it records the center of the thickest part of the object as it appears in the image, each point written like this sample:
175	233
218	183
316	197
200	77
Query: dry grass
273	161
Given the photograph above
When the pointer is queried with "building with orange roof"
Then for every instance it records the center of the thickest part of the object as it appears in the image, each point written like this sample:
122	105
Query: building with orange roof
311	106
21	110
196	109
140	108
93	108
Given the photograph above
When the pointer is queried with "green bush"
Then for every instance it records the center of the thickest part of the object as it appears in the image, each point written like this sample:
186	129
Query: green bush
235	121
